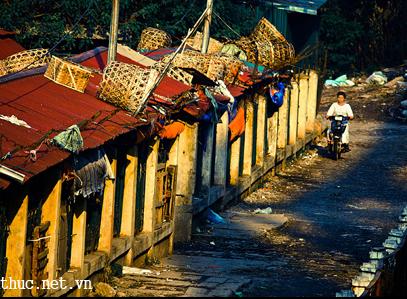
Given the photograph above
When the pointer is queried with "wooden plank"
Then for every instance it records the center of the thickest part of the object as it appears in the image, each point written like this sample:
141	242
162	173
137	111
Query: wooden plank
207	159
185	184
293	122
235	161
248	139
261	128
78	235
302	106
107	218
150	194
129	200
283	122
222	131
272	131
16	245
312	100
51	211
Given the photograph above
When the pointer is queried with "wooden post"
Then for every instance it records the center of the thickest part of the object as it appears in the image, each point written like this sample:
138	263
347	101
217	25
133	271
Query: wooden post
51	211
248	139
222	131
127	227
312	100
149	198
207	160
16	245
272	131
261	127
186	177
283	122
78	235
292	133
235	161
302	106
173	160
107	219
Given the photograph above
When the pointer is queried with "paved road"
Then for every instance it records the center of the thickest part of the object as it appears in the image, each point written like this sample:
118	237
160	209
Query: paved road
337	210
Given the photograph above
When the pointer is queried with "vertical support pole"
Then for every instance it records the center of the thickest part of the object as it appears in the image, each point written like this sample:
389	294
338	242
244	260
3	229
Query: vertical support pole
107	219
16	246
207	160
248	139
150	194
283	122
51	211
261	127
292	133
207	24
235	161
312	100
302	106
173	160
186	177
78	235
114	28
272	131
221	150
129	201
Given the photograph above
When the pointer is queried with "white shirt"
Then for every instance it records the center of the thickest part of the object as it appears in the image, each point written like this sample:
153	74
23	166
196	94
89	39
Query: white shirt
336	109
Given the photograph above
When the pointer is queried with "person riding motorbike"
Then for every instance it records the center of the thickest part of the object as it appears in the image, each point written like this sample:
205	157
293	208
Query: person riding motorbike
344	109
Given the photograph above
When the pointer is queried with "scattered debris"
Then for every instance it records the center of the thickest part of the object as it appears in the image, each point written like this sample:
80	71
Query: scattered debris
104	290
14	120
377	78
263	211
214	217
137	271
340	81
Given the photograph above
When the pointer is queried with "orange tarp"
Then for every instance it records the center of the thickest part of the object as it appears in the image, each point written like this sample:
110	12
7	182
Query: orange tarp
237	125
172	130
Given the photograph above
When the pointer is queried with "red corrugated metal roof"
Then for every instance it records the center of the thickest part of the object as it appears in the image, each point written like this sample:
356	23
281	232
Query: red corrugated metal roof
167	88
45	105
9	47
5	32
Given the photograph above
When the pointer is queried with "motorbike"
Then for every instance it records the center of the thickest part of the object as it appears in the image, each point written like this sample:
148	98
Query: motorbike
338	126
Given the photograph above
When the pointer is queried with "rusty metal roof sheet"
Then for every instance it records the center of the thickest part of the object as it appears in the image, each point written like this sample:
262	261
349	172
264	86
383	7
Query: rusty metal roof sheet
50	108
9	47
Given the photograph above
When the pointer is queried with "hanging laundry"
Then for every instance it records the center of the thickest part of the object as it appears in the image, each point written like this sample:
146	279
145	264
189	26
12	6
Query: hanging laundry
237	125
91	169
172	130
14	120
70	139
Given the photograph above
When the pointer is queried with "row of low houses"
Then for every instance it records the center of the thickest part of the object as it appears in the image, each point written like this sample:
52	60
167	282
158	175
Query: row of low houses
85	182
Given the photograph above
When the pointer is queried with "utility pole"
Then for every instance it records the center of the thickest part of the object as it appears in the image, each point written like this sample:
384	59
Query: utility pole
114	27
207	24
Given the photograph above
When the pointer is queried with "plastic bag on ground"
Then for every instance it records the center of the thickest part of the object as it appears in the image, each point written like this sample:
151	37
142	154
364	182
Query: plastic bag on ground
377	78
263	211
215	218
340	81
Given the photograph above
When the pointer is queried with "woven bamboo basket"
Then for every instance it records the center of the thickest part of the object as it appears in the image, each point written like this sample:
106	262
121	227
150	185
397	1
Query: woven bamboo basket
3	69
68	74
26	60
265	30
232	66
125	85
153	39
190	59
283	55
214	45
174	73
216	69
249	46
